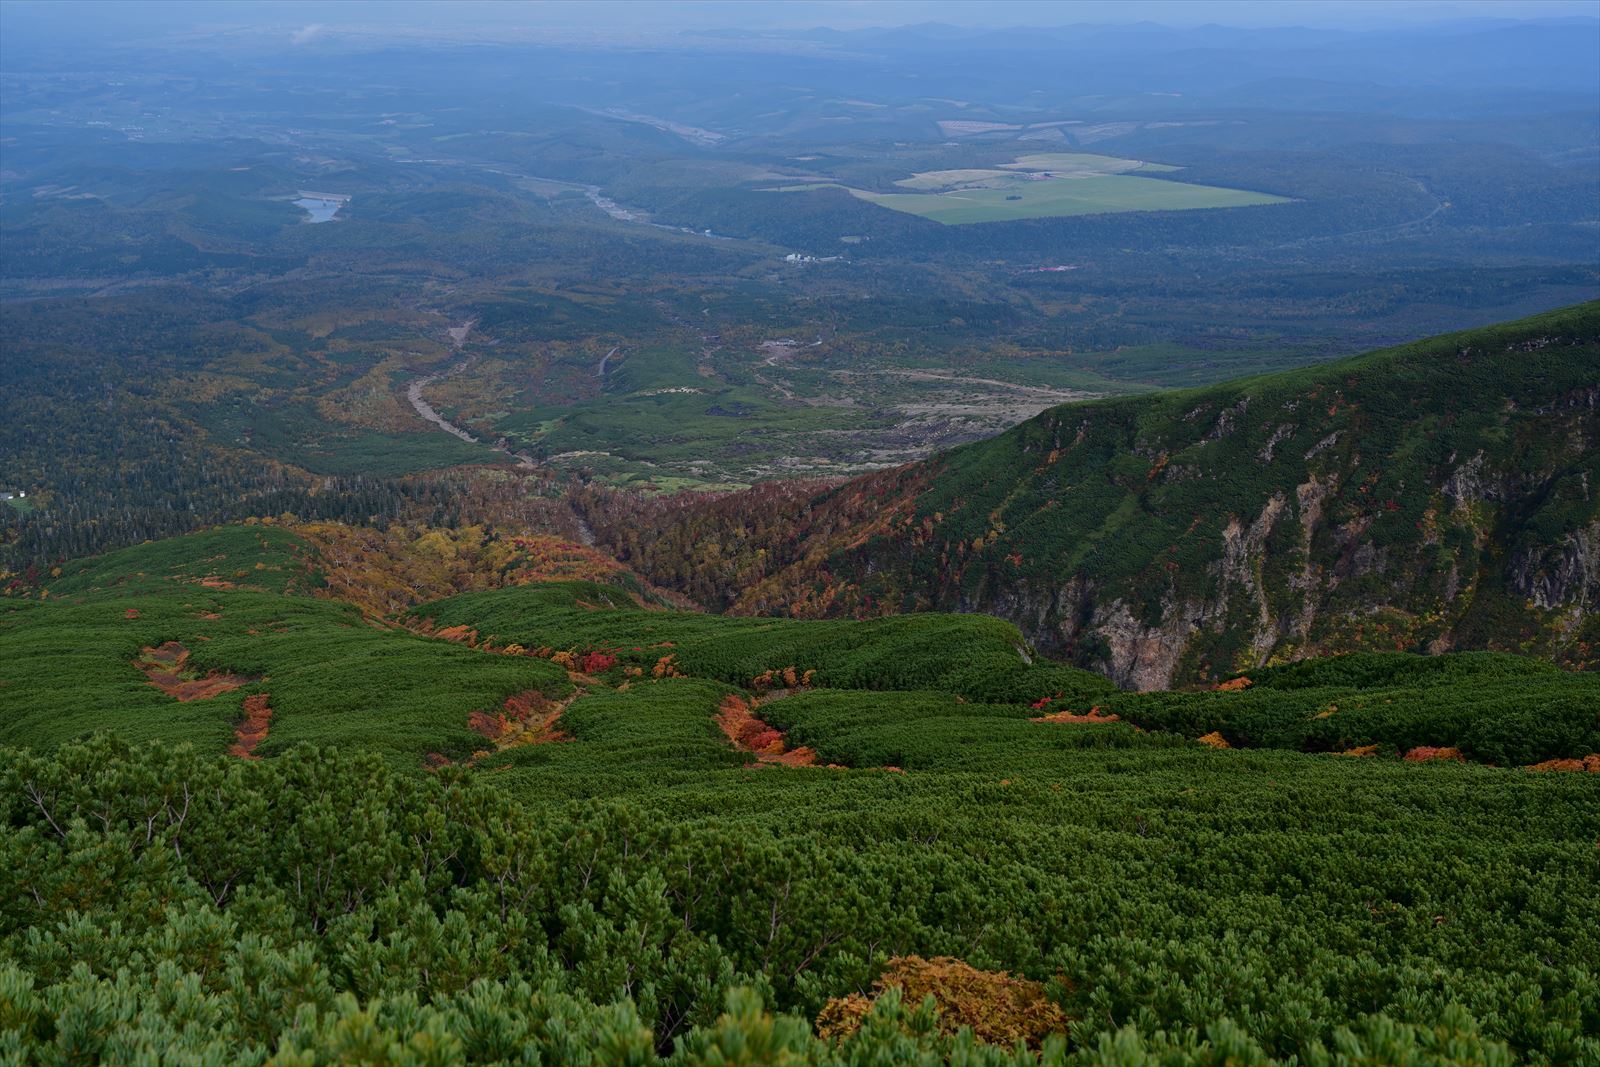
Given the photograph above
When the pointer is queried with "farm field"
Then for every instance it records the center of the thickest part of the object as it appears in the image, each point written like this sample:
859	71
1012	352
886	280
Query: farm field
1056	197
1047	185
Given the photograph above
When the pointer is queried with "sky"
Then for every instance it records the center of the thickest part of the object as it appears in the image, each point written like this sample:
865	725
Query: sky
147	18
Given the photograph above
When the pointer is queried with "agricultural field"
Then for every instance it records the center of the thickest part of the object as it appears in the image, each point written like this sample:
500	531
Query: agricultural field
767	831
1046	186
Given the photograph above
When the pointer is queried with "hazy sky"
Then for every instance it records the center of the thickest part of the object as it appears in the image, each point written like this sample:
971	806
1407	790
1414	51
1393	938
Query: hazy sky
145	18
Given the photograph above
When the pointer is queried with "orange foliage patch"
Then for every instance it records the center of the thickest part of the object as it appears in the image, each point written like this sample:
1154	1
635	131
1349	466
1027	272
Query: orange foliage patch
1093	715
1214	740
1000	1009
1589	764
1360	750
1423	754
252	729
461	635
1234	686
739	724
784	678
167	667
385	571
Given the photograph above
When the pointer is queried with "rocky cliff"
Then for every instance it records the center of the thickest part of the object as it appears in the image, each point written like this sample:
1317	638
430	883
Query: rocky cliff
1440	495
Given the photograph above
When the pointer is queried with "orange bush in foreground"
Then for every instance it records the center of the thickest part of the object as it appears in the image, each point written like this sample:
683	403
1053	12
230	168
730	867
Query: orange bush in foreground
1000	1009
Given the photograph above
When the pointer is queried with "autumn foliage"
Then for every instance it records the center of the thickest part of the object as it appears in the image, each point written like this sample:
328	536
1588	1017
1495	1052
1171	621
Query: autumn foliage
167	667
1427	753
738	722
525	718
783	678
1589	764
1092	716
999	1008
252	729
385	571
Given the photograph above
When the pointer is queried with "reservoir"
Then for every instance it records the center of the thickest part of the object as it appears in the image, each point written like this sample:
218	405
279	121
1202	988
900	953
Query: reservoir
321	207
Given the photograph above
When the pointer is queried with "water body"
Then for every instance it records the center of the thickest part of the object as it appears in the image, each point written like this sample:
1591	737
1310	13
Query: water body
320	208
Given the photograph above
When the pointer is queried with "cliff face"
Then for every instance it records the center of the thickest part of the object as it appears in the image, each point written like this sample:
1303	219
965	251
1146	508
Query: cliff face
1442	495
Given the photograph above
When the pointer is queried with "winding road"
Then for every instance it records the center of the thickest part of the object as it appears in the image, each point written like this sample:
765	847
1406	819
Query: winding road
458	337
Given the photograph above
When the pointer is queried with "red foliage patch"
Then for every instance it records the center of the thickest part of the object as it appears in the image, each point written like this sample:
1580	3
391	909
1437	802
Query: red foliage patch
746	732
525	718
596	662
131	613
252	729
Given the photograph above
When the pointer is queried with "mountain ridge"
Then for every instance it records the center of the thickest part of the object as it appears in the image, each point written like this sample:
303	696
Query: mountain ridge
1428	497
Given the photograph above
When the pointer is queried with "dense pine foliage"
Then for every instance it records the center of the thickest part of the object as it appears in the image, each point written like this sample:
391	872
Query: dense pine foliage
442	851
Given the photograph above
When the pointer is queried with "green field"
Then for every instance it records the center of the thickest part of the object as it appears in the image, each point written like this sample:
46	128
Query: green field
1046	185
1102	194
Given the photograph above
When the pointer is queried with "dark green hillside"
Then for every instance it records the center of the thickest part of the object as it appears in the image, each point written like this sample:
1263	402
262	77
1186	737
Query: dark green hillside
1434	496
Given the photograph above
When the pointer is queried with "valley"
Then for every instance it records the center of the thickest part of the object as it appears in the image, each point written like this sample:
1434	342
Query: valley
740	535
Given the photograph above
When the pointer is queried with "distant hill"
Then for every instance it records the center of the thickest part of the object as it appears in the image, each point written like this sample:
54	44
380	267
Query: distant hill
1439	495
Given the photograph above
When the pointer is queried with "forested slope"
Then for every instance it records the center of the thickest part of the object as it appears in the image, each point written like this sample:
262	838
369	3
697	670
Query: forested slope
1440	495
